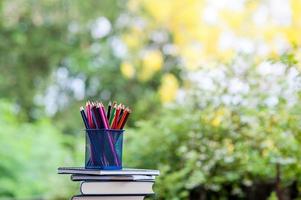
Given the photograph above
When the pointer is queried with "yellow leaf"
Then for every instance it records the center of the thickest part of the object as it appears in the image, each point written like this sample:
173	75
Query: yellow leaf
168	89
152	62
216	121
127	70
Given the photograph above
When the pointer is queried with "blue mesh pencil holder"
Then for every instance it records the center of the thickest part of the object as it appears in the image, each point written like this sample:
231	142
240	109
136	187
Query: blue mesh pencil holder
103	149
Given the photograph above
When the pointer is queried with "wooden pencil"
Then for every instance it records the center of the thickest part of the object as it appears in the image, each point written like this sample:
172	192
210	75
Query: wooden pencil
85	120
125	120
115	121
113	113
109	110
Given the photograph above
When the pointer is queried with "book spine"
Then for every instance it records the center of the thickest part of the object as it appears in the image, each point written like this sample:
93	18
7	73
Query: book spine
80	187
101	180
71	177
114	195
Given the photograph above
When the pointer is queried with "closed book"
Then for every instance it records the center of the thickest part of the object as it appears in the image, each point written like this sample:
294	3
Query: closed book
117	187
79	177
107	197
124	171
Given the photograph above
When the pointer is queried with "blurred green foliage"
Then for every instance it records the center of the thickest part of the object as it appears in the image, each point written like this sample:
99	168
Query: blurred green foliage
223	146
233	124
30	154
39	39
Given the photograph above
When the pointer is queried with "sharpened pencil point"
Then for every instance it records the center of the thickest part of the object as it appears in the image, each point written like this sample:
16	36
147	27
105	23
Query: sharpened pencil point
97	117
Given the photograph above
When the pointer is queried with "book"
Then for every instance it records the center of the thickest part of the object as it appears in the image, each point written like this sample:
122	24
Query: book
117	187
79	177
124	171
106	197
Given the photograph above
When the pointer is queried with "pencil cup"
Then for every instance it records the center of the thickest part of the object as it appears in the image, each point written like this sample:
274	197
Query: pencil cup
103	149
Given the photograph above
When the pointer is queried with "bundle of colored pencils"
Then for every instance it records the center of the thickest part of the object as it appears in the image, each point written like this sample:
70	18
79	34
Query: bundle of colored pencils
96	117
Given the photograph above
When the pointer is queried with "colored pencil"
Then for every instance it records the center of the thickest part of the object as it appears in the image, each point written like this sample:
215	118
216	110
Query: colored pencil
103	116
113	114
109	110
121	113
89	115
85	120
116	117
94	115
126	118
122	118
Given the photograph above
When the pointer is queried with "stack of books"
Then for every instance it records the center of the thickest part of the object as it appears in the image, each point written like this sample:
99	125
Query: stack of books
125	184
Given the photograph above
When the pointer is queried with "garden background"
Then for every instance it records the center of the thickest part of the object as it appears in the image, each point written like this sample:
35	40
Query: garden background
215	89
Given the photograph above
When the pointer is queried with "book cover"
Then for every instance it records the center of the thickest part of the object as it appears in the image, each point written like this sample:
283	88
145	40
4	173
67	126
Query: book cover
124	171
108	197
79	177
116	187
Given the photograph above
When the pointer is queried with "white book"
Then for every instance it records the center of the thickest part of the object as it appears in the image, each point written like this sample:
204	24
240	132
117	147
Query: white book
81	197
79	177
124	171
117	187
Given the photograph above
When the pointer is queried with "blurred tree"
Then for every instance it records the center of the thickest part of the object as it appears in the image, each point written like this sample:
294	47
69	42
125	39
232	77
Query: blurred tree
235	130
23	150
55	54
36	39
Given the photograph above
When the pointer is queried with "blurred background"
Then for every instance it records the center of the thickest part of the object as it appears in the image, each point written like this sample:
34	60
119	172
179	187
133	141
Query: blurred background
215	89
